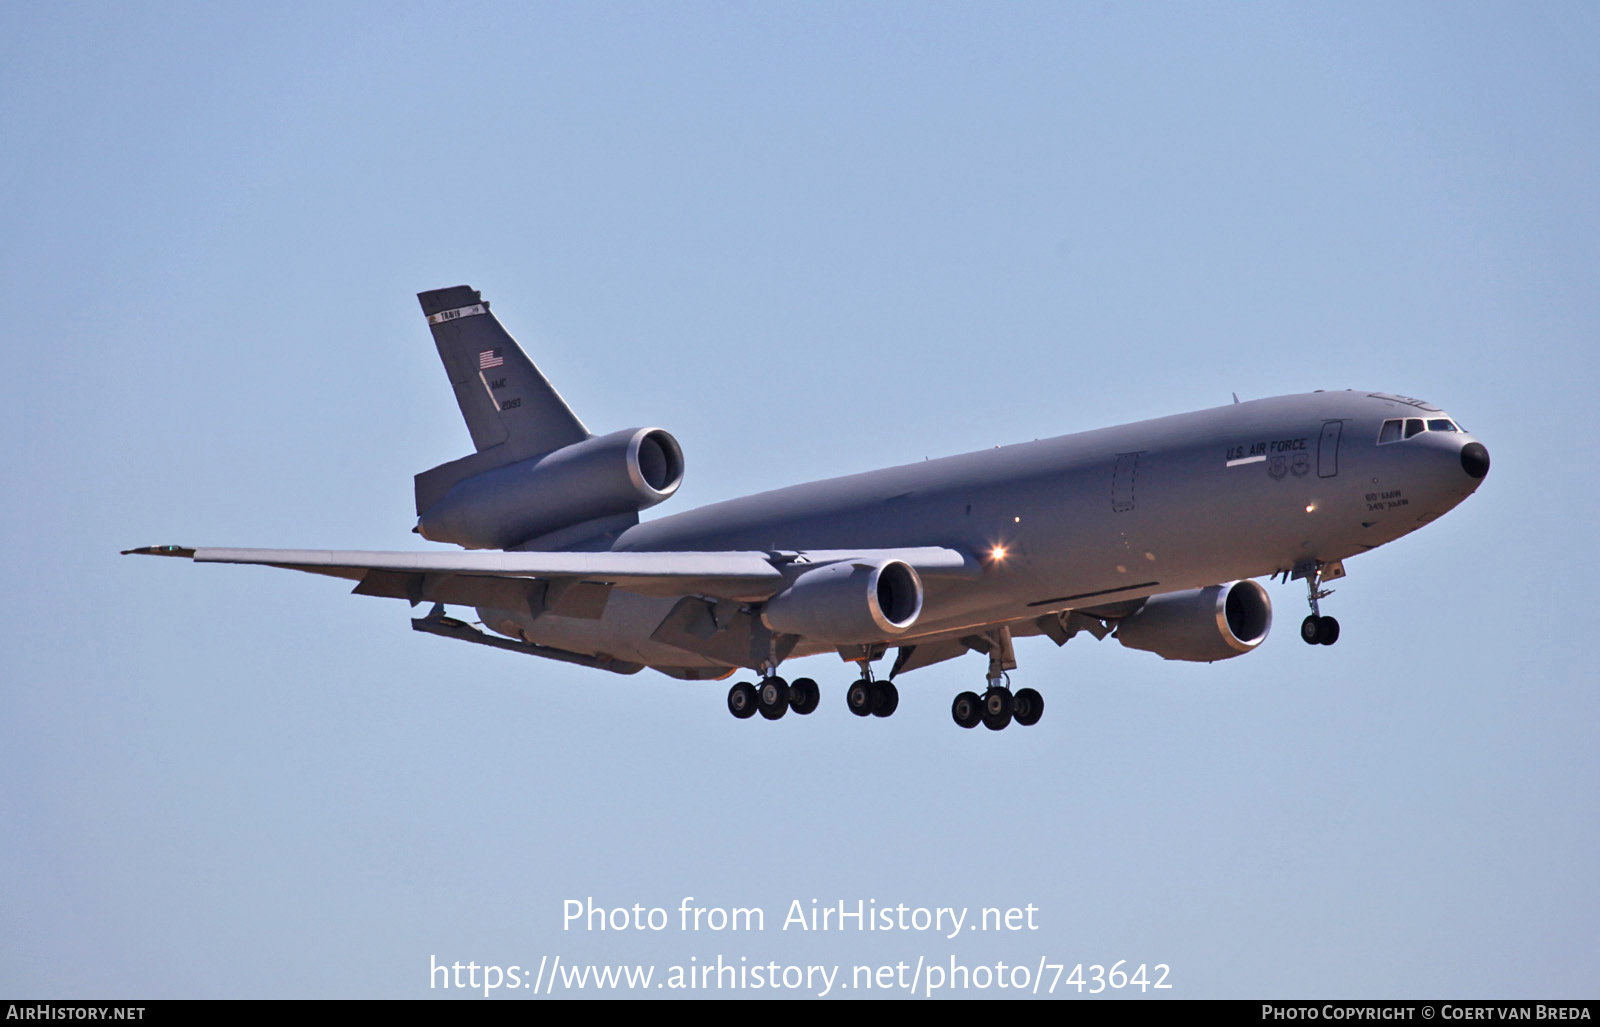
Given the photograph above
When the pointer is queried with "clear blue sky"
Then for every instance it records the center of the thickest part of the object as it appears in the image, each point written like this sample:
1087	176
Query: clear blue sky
808	240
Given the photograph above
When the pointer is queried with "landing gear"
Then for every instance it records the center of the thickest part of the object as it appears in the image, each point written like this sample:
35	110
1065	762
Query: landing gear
868	698
859	698
1317	629
774	697
967	709
742	700
1028	707
804	695
997	707
886	698
998	703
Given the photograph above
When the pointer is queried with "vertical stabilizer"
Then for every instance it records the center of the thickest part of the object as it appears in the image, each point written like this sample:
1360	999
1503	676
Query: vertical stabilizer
511	409
503	397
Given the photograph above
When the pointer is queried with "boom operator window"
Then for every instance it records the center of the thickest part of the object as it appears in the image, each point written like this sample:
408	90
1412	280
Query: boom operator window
1397	429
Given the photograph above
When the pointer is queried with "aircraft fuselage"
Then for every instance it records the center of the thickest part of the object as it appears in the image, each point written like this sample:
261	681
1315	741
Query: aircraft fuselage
1088	520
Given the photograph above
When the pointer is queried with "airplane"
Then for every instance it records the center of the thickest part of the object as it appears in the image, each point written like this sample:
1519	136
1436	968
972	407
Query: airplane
1152	533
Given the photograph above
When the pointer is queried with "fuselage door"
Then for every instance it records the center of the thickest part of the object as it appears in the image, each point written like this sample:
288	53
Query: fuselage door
1123	480
1328	449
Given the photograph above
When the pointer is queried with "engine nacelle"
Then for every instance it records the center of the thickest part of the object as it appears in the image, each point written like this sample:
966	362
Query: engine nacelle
1201	624
624	472
848	602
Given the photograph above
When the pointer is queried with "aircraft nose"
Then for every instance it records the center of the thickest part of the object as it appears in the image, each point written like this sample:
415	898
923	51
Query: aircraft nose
1475	459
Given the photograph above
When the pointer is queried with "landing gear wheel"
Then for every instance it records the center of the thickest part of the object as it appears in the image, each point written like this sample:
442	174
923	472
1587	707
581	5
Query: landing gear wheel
860	698
998	706
1029	706
1319	630
886	698
804	695
742	700
967	710
774	698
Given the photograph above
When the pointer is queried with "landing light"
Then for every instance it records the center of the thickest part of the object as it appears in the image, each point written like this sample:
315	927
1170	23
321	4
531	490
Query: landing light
1310	507
998	552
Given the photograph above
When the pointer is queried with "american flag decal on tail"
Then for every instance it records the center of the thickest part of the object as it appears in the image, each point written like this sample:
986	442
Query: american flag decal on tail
489	358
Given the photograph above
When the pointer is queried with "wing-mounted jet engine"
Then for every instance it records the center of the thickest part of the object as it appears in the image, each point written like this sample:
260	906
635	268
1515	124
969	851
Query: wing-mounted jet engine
1201	625
849	602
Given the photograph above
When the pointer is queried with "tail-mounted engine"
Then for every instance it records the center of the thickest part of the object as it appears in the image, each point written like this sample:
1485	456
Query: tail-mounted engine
848	602
604	476
1201	624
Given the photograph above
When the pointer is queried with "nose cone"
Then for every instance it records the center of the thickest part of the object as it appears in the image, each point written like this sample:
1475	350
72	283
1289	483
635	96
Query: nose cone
1475	460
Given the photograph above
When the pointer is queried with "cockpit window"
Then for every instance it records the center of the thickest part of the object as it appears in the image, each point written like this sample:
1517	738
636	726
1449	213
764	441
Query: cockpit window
1396	427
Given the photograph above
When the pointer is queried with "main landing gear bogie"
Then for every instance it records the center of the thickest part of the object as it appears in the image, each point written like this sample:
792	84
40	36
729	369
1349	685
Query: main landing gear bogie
997	707
869	698
773	697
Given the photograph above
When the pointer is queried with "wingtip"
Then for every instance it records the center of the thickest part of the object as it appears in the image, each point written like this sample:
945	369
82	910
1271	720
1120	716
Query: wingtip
160	551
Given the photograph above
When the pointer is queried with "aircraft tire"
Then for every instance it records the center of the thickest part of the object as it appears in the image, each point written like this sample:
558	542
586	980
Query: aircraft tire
998	706
1311	630
742	700
967	710
804	696
773	698
859	698
885	698
1029	707
1328	632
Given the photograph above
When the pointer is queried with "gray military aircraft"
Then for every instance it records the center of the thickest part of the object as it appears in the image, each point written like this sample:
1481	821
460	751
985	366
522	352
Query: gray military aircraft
1150	532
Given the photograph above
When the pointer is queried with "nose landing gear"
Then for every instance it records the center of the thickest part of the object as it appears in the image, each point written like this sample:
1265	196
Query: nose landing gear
1317	629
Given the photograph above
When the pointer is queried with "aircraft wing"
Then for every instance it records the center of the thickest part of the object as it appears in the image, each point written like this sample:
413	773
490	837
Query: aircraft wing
485	577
